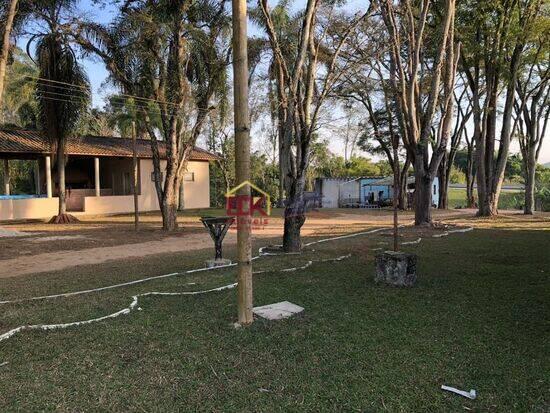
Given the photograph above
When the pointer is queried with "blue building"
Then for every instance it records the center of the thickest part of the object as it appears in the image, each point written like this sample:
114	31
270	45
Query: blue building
375	190
362	191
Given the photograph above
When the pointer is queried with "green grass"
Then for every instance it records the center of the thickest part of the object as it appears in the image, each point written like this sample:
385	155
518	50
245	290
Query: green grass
507	200
477	319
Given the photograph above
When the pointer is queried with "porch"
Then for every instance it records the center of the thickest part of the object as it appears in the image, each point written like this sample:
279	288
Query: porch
85	177
98	176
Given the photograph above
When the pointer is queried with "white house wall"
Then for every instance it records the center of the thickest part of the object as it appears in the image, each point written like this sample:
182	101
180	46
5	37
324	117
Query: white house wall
196	193
337	188
31	208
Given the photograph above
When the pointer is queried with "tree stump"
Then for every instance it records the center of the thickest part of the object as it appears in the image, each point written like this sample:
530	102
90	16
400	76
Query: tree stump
395	268
64	219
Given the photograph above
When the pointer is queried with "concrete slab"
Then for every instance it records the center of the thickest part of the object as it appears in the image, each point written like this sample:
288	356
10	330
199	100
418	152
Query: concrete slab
278	311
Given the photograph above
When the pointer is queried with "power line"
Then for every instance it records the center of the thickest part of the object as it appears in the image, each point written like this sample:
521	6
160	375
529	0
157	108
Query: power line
41	79
75	98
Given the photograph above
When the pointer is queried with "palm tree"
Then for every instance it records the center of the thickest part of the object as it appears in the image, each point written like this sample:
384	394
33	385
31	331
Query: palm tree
62	92
172	57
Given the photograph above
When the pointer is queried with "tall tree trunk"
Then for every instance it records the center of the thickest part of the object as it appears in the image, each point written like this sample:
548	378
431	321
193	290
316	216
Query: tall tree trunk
530	166
6	48
294	216
61	161
403	175
422	193
169	204
444	177
402	201
470	178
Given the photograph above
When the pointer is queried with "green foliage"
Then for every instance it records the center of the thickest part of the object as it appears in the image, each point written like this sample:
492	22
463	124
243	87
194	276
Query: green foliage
461	160
21	176
542	188
514	169
19	105
456	176
513	200
336	167
263	173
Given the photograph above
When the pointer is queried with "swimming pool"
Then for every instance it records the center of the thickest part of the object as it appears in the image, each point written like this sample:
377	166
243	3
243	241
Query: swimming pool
21	196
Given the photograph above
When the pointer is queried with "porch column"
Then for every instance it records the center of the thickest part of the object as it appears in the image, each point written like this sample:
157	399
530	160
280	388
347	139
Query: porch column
37	183
6	177
48	163
97	179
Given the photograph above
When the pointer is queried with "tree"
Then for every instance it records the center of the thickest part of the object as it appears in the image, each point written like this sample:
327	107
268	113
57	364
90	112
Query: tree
301	92
172	58
368	85
416	102
63	90
348	131
383	131
447	162
494	36
532	112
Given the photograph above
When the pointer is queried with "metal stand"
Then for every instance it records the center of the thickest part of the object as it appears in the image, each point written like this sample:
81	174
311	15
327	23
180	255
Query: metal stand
218	227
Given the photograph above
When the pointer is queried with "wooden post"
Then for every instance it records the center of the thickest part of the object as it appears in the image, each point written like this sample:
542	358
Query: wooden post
396	190
48	167
97	177
242	157
6	177
135	180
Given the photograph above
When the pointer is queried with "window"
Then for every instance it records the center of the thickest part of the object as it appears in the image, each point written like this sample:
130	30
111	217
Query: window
189	177
127	183
435	192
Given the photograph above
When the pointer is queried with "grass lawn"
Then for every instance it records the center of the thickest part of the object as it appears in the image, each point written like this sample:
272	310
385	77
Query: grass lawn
507	200
478	319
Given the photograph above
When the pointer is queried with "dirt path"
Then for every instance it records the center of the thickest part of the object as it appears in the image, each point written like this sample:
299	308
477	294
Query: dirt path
65	257
54	261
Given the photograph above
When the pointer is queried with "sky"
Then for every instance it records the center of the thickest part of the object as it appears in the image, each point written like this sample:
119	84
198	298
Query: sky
98	74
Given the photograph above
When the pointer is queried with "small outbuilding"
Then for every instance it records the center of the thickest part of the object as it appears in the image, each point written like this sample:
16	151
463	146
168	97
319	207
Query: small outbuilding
363	192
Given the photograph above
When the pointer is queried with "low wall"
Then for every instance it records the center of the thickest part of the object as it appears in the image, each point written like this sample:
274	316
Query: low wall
120	204
31	208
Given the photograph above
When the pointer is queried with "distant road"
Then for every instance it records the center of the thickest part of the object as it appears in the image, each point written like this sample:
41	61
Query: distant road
510	187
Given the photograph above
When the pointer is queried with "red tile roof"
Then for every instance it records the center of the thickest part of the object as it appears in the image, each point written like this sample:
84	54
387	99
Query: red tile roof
34	143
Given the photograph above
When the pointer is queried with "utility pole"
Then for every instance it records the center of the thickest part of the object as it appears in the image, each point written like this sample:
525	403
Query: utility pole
135	170
242	158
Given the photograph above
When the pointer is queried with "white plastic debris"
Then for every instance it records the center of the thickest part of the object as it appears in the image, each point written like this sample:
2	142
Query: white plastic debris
5	363
469	395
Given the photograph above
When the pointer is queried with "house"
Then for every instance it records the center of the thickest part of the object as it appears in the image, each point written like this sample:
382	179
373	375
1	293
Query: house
99	176
362	191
